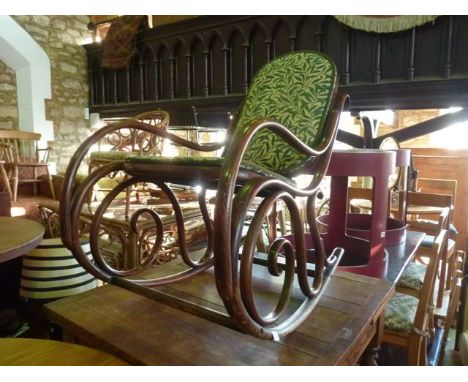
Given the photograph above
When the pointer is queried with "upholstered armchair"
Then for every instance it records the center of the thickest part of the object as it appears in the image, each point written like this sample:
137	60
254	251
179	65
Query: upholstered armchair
286	126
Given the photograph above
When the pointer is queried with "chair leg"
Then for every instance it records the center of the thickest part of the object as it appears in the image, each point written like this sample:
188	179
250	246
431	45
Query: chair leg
34	183
6	180
457	274
423	352
414	349
51	185
15	183
452	263
417	350
442	277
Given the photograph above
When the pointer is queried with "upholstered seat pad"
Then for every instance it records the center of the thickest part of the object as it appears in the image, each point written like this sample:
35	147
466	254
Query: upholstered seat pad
463	347
413	276
452	228
199	168
400	313
427	241
110	156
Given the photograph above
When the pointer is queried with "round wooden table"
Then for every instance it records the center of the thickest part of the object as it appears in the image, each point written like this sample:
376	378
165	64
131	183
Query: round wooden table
18	236
38	352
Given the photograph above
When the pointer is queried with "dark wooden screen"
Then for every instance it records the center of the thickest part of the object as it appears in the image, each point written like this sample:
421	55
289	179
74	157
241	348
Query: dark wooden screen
206	64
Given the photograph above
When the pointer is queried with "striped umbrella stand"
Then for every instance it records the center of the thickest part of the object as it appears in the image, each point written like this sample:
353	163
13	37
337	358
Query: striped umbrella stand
51	271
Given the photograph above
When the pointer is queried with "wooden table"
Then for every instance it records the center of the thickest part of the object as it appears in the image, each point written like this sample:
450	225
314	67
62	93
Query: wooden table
38	352
146	332
401	255
18	236
346	324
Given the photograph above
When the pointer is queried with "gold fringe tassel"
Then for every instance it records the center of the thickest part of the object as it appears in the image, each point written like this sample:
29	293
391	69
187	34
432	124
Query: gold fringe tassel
384	24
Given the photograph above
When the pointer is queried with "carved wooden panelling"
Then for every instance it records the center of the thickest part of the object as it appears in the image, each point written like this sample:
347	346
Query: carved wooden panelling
207	62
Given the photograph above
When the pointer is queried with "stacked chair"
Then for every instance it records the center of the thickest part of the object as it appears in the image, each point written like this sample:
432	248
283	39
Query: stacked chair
408	319
127	142
412	284
21	161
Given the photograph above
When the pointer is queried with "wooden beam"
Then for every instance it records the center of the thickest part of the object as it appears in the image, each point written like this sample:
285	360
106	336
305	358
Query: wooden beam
424	128
351	139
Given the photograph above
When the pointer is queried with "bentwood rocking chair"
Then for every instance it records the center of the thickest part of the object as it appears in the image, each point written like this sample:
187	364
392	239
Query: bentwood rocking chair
286	126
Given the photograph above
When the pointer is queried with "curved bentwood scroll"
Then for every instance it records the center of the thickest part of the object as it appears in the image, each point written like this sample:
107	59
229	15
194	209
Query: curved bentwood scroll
243	209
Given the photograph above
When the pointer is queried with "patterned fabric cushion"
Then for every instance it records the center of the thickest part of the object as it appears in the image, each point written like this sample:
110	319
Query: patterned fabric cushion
463	348
413	276
427	241
295	90
452	228
400	313
152	161
111	155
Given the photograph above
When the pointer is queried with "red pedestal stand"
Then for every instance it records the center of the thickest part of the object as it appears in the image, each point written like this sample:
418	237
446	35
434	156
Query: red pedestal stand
363	238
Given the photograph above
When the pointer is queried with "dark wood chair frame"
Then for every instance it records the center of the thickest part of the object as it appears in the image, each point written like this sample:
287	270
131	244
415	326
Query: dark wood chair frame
236	189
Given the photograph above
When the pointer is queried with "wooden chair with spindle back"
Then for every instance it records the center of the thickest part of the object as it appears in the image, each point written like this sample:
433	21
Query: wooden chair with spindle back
407	322
20	151
443	204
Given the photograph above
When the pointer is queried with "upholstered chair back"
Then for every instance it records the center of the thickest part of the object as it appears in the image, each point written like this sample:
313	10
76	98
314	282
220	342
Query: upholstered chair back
295	90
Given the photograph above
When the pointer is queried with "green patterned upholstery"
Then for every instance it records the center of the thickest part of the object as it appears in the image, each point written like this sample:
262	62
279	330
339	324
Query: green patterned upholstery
413	276
204	161
295	90
110	156
400	313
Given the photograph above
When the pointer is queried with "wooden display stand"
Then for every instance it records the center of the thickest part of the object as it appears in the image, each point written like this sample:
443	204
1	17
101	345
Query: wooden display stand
364	249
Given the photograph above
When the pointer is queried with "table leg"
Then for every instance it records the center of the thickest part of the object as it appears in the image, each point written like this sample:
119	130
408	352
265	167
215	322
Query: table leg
371	354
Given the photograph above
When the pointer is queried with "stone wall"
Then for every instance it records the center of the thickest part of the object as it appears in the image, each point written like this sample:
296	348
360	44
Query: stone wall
60	37
8	98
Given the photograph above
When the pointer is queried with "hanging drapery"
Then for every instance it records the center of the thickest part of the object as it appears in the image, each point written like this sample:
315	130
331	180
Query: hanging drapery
119	45
385	23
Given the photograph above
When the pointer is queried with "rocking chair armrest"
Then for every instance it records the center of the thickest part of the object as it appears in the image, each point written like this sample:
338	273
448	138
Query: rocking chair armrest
279	129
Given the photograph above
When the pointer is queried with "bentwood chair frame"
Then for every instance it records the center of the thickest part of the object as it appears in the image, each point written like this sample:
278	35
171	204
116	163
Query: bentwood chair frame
292	108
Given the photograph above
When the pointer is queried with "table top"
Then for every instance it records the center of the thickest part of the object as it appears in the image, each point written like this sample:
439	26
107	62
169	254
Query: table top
401	255
144	331
39	352
18	236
